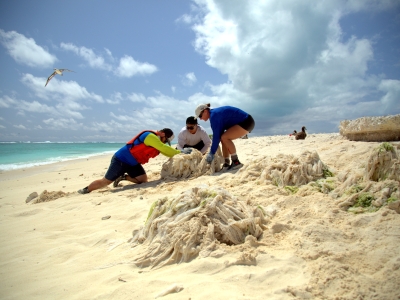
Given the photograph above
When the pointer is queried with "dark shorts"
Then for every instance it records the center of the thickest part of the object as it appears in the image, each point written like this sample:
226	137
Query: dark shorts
118	168
247	124
198	146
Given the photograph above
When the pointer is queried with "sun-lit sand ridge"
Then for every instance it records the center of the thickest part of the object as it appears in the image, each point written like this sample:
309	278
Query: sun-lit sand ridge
315	218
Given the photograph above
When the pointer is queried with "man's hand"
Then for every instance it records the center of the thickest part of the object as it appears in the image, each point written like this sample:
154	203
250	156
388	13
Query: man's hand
186	151
209	157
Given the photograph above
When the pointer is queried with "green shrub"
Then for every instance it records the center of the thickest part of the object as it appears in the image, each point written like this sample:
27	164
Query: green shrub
364	200
292	189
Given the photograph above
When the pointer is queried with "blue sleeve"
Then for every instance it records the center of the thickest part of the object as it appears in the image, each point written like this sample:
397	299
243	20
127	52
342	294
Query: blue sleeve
217	128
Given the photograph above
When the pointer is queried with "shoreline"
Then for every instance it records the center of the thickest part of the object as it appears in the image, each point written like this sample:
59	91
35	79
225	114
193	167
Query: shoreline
51	167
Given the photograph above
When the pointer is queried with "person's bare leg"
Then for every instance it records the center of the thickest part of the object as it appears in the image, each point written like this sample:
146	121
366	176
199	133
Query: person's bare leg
138	180
225	151
232	133
97	184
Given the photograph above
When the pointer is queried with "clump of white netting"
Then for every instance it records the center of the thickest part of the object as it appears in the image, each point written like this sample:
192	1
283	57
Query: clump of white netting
377	129
191	165
194	223
378	185
285	170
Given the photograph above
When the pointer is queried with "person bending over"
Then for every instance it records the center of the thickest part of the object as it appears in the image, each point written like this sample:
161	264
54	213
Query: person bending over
193	136
227	123
126	163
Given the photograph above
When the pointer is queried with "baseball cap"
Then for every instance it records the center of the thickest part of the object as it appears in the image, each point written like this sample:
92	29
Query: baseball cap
200	108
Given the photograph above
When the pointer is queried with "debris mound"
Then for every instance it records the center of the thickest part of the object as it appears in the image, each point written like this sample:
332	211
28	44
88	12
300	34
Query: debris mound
383	164
191	165
372	129
379	184
286	170
180	229
46	196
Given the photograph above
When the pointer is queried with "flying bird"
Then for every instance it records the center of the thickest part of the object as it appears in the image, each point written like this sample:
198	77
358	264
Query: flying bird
57	71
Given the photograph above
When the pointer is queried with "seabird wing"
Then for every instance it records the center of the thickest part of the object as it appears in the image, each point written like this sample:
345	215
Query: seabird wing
50	77
62	70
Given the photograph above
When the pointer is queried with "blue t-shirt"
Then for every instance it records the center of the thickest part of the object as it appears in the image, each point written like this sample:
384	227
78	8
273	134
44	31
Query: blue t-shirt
124	155
223	118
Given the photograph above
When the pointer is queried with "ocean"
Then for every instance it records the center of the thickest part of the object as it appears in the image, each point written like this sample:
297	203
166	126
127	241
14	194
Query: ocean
20	155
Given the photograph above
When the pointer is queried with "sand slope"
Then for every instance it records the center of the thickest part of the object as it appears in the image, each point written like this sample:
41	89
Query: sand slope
311	248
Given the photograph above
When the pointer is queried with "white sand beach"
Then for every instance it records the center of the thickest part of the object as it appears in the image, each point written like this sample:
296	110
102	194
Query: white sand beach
314	244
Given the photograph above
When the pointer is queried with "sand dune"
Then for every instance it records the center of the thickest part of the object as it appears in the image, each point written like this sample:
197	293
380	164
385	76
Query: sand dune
330	227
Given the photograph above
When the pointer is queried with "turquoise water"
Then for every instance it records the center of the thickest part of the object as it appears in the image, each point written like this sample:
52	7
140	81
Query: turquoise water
24	155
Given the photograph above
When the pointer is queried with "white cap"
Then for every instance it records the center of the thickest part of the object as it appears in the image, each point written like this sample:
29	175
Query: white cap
199	109
169	140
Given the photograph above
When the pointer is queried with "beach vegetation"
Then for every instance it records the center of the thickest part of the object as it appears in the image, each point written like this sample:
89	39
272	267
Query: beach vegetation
292	189
154	205
206	194
327	173
364	200
391	199
363	204
385	147
262	210
276	181
324	185
356	188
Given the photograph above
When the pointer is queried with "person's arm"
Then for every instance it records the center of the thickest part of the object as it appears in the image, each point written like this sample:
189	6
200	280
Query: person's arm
181	140
153	141
206	140
217	128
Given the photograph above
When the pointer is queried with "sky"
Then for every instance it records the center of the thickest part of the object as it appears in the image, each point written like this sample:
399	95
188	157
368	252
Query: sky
142	65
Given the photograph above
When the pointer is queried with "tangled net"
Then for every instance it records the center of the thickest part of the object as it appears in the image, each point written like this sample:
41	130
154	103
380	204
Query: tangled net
191	165
377	186
46	196
193	224
372	129
286	170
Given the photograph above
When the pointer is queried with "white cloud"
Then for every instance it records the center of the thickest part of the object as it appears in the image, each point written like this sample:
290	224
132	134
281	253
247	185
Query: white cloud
285	58
94	60
59	90
129	67
20	127
391	100
189	79
7	101
25	50
137	97
62	123
116	98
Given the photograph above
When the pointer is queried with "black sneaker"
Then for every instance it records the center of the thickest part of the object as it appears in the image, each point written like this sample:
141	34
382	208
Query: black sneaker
118	180
85	190
226	165
235	165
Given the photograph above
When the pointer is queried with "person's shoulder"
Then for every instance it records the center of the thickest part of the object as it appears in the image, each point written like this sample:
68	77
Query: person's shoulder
201	128
183	130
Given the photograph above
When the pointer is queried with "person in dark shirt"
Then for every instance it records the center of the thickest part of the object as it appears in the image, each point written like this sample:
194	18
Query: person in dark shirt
227	123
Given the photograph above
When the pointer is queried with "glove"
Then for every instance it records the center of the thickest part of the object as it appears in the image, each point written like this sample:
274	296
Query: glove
186	150
209	157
